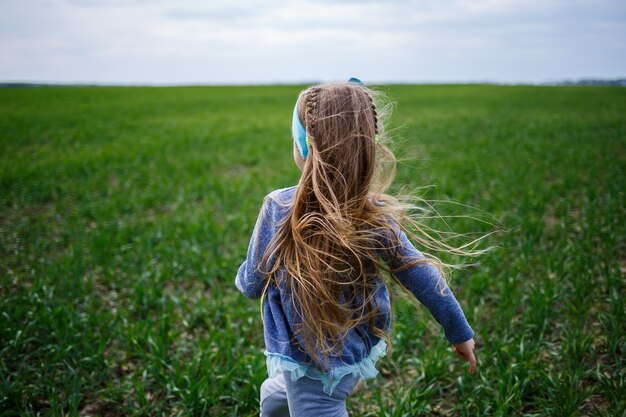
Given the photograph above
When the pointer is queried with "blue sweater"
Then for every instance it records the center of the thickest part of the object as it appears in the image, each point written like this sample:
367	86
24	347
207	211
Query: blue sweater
361	348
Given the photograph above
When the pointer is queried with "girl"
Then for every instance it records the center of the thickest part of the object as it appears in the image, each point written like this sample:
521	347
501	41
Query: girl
316	256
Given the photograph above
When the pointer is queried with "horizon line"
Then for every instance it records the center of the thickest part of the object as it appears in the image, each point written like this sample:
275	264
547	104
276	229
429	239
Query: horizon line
579	80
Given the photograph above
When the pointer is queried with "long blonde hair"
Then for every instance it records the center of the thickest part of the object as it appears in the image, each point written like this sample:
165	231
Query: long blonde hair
328	242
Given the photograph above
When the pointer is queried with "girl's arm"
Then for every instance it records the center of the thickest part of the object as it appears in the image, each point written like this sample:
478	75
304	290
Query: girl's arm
249	280
425	282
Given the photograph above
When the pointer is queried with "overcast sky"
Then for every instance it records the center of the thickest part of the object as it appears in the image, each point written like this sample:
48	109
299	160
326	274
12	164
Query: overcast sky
267	41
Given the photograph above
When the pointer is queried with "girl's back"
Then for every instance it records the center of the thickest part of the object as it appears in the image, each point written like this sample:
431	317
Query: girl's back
318	250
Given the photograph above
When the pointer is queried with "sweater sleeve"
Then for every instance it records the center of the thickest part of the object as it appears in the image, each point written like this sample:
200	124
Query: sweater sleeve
250	281
424	281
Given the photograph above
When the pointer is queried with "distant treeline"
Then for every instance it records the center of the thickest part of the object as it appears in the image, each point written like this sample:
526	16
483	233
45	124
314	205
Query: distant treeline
583	81
42	85
591	81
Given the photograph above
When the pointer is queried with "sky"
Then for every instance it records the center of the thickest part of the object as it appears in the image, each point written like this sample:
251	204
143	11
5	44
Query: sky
167	42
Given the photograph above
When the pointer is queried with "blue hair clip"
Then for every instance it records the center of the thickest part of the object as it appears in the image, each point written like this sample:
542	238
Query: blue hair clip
299	132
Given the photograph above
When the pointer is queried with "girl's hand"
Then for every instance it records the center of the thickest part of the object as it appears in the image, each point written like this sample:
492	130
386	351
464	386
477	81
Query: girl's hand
465	351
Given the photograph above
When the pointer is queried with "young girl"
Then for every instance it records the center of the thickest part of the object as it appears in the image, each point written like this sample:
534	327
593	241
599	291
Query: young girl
316	257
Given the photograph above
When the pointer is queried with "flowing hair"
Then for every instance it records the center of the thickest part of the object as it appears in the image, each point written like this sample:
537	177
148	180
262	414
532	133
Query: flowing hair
328	242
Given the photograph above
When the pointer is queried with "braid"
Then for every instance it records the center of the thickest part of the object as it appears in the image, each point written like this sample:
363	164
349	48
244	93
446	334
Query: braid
375	114
311	105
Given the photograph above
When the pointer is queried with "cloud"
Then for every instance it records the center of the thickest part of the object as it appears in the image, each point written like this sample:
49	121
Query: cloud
270	40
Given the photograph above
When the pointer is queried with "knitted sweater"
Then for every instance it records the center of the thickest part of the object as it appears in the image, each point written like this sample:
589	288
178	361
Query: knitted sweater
361	348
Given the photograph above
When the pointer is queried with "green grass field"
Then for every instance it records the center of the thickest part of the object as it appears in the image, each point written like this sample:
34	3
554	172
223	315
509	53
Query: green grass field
125	213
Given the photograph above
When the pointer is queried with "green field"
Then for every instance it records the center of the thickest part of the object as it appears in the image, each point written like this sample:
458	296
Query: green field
125	213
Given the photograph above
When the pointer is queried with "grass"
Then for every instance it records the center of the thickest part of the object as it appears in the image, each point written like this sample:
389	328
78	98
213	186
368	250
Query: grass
125	213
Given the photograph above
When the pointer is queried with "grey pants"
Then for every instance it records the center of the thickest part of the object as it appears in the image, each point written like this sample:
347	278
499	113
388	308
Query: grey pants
282	397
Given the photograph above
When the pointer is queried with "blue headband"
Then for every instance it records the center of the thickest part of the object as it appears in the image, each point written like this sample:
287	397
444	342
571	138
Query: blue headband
298	130
299	133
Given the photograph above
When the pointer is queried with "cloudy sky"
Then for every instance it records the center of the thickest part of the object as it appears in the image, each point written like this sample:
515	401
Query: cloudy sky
267	41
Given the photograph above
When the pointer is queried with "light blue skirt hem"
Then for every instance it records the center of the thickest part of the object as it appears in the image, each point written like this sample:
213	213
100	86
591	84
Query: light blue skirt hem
364	369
